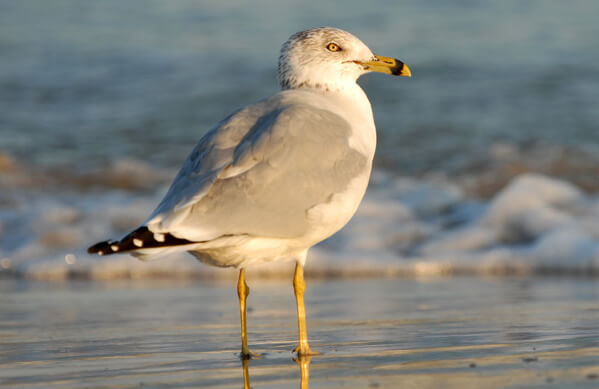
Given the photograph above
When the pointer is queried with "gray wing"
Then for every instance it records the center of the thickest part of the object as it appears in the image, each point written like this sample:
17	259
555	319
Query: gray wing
259	172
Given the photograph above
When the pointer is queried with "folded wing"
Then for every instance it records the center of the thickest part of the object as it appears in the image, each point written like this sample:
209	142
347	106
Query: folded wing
258	173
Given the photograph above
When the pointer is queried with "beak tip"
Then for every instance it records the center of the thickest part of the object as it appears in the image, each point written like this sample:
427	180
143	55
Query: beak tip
404	70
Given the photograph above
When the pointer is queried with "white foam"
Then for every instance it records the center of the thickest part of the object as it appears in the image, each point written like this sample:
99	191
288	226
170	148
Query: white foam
568	247
461	240
404	226
530	206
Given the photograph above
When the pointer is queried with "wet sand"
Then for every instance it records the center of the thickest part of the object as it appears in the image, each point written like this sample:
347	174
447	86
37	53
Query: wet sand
376	333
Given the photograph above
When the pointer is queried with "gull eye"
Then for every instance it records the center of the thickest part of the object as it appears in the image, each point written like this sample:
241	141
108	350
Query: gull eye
333	47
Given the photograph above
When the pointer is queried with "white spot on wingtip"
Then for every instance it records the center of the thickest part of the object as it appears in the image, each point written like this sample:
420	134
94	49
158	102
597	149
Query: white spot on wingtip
114	247
138	242
159	237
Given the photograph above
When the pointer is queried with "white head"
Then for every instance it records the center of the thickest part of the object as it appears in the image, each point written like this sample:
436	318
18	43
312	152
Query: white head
331	59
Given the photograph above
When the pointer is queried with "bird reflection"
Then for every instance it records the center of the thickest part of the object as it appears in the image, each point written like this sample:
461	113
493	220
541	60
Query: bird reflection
246	373
304	365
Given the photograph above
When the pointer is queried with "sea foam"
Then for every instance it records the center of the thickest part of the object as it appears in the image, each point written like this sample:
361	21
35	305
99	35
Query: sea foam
404	226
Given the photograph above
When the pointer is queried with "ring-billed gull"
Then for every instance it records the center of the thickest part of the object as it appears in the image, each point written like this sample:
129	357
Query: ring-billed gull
276	177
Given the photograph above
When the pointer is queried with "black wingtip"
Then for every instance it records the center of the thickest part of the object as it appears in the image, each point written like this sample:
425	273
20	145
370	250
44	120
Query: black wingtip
141	238
100	248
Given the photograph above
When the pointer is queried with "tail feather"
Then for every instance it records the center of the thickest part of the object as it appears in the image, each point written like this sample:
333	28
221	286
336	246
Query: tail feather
141	238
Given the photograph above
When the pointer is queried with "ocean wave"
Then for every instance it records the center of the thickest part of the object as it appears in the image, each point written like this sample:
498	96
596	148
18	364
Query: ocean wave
419	226
504	161
125	174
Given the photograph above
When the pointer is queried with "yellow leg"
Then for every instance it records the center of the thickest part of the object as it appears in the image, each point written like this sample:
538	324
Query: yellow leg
299	287
243	291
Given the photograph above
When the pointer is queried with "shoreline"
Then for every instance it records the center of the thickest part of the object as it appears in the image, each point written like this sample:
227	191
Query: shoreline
285	270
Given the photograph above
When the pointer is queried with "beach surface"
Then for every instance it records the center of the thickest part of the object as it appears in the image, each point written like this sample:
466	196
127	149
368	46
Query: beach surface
462	332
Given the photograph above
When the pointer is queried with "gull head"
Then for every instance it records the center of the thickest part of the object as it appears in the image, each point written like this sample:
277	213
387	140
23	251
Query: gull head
330	59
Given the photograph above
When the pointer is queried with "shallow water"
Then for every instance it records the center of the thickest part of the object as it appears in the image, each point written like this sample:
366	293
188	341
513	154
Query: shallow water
379	333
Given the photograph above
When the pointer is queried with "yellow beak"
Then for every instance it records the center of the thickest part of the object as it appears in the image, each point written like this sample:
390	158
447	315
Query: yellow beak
387	65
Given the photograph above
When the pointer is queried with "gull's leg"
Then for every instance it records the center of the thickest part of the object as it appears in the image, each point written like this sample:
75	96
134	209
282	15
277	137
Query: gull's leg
243	290
299	287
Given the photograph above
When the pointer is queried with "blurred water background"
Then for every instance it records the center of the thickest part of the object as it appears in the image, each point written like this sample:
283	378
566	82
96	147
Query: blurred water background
487	157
